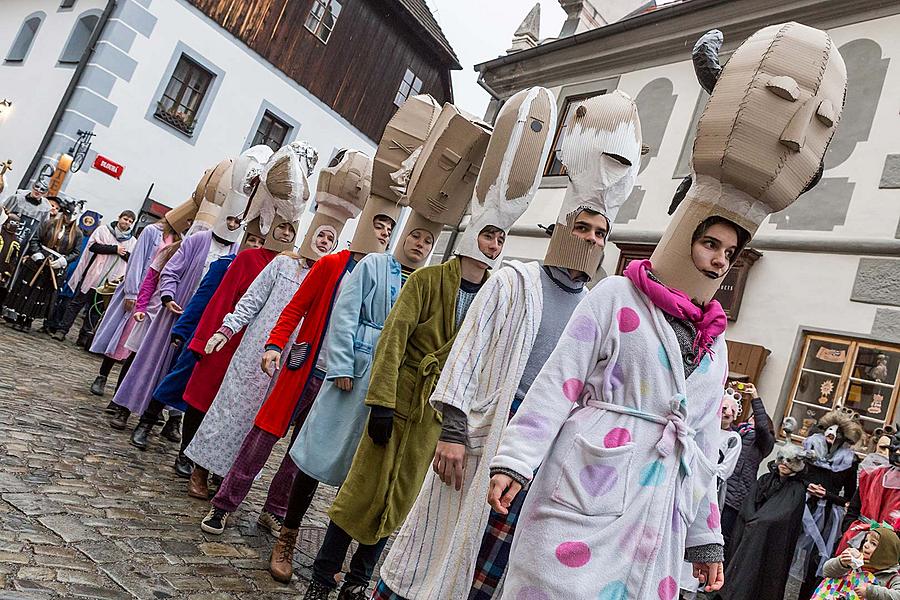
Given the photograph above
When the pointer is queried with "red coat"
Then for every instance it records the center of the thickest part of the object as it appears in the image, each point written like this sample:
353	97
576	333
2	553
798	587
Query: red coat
312	304
210	369
879	503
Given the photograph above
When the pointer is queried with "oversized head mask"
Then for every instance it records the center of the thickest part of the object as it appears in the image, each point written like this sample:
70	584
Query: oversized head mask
602	154
212	192
511	172
281	195
341	193
760	142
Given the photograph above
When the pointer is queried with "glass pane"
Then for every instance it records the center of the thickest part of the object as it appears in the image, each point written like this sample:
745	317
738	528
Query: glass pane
827	356
324	33
258	139
868	399
408	77
277	132
816	389
312	23
172	89
182	69
318	9
335	8
399	99
806	416
875	364
417	86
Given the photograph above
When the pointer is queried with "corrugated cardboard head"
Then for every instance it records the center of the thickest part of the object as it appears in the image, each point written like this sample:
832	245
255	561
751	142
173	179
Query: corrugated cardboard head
365	239
444	177
341	193
413	223
602	154
512	168
404	134
182	216
213	191
760	141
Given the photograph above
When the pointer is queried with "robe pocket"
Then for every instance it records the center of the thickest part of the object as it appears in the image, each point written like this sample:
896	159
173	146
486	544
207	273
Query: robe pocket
694	490
594	480
362	358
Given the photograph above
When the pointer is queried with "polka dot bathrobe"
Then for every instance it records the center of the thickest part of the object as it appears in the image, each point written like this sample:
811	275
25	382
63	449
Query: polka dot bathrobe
627	448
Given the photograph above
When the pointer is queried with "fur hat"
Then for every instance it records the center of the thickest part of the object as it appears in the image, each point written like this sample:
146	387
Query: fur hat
847	421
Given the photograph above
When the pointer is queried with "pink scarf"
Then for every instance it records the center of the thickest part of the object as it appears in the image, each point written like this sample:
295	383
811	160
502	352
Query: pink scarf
709	320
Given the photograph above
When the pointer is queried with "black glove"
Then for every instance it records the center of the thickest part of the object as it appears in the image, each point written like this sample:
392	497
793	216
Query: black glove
176	340
381	424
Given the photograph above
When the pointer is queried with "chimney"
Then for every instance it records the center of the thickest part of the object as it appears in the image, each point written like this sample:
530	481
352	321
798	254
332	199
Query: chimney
528	33
584	15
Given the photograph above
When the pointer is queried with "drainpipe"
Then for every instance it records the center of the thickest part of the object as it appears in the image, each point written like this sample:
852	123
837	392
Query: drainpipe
67	95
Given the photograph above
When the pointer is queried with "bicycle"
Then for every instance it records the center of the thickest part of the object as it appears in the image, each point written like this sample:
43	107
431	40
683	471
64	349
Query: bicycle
80	149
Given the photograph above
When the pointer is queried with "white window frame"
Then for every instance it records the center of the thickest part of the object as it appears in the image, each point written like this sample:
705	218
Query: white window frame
410	85
316	20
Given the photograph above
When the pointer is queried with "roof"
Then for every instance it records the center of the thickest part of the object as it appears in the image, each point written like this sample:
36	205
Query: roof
431	32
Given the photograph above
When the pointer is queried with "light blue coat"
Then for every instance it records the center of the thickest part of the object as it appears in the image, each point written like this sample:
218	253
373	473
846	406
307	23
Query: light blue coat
325	446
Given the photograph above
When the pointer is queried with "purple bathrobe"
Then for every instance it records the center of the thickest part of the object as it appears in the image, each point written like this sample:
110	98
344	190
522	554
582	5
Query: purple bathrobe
116	317
178	279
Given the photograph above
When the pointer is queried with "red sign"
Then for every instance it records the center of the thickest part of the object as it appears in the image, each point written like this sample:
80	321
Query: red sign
101	163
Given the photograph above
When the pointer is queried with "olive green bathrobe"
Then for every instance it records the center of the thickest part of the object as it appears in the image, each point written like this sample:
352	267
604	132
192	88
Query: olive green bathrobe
419	331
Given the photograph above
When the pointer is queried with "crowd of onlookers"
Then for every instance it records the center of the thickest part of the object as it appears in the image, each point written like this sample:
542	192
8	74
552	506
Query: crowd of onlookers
57	262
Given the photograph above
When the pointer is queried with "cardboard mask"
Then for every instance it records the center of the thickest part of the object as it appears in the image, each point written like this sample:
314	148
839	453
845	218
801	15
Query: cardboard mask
213	191
512	168
760	142
445	173
341	193
245	176
602	154
281	195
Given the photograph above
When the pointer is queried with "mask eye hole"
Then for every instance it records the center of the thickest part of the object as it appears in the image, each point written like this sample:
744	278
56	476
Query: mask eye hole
784	87
619	159
825	113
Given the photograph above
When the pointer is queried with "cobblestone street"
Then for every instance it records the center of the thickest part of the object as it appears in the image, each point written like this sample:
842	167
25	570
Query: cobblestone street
86	515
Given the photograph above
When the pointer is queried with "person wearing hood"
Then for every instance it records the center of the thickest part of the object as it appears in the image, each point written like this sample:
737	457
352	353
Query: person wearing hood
767	529
877	497
832	480
25	211
211	237
869	572
623	417
108	250
56	243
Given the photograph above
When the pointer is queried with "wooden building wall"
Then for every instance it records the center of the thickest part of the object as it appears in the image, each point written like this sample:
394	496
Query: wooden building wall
357	73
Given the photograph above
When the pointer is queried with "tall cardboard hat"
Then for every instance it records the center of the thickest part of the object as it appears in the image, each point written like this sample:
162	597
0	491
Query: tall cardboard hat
443	179
602	154
401	143
212	194
245	175
760	142
512	168
341	192
281	195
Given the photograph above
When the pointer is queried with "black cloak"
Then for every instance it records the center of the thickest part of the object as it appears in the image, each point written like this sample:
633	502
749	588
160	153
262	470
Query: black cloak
767	529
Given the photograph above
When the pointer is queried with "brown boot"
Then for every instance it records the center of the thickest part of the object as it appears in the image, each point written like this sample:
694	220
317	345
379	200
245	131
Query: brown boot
197	486
281	565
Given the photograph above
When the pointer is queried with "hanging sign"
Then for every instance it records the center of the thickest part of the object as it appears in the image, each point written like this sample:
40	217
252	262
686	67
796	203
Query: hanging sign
105	165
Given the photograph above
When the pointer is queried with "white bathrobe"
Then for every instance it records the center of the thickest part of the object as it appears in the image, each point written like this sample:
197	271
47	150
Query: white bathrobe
627	452
434	554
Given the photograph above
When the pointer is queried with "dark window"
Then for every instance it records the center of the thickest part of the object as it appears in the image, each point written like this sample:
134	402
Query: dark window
22	45
410	86
181	100
79	38
272	131
67	4
322	17
554	165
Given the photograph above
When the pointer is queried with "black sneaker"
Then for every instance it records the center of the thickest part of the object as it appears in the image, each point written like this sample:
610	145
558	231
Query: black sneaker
353	592
214	522
317	591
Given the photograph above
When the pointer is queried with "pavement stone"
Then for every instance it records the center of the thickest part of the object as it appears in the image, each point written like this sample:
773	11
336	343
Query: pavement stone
83	514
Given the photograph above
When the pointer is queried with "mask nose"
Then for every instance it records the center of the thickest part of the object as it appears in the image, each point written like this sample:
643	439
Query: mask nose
794	134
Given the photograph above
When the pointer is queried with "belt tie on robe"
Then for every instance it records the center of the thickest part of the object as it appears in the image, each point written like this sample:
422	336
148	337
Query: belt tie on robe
428	370
675	429
372	324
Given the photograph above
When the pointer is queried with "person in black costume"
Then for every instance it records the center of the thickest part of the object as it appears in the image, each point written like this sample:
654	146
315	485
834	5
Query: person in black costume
831	483
57	243
768	526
